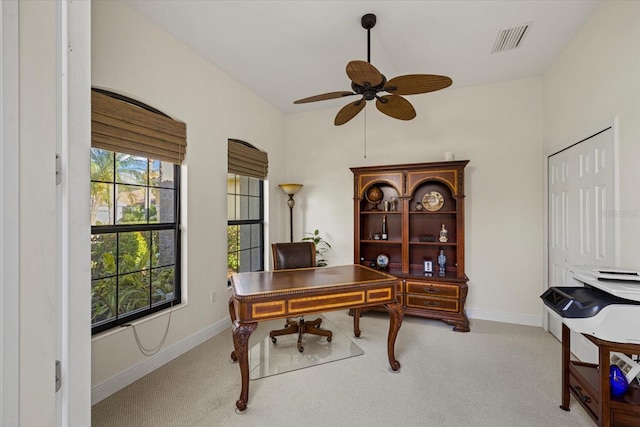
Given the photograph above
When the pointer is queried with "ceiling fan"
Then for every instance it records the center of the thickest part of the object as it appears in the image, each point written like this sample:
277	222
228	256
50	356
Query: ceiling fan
367	81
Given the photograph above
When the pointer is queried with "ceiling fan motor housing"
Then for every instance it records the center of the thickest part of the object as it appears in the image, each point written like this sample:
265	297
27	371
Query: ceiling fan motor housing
368	21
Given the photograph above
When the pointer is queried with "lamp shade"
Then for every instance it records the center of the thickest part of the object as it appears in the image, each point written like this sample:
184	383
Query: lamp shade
290	189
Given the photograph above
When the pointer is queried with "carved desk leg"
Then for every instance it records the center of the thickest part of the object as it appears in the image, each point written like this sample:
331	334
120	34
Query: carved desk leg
241	334
356	322
396	315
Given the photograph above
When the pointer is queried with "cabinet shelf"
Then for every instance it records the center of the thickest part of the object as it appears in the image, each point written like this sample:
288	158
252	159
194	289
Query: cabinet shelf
381	212
414	242
436	297
432	212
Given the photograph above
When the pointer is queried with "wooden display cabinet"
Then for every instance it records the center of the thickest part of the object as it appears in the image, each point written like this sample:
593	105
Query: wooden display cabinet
413	233
589	384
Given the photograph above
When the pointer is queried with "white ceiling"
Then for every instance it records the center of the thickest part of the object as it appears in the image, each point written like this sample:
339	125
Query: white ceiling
287	50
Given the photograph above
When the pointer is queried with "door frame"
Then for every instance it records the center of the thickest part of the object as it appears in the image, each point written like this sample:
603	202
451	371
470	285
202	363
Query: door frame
73	136
612	123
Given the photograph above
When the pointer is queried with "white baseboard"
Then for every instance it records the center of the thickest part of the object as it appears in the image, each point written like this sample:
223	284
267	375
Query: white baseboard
107	388
500	316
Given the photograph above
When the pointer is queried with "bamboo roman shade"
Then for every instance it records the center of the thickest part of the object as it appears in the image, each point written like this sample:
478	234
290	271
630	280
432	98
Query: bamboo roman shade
121	126
246	160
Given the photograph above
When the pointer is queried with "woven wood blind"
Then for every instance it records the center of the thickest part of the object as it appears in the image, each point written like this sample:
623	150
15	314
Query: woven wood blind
246	160
117	125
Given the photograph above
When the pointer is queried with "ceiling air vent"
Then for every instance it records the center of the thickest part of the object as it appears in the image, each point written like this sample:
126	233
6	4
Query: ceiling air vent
511	38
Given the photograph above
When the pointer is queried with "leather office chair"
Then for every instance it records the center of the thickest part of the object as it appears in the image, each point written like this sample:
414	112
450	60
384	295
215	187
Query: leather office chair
296	255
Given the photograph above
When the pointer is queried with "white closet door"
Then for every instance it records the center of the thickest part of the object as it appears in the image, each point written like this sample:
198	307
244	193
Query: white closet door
581	217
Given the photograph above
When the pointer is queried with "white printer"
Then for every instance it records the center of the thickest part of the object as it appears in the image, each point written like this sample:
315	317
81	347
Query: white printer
601	301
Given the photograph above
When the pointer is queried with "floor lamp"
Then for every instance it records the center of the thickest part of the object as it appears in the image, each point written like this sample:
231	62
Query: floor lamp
290	189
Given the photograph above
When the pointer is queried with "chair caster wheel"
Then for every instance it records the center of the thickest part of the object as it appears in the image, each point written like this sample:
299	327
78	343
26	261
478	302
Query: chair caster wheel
273	340
301	349
328	339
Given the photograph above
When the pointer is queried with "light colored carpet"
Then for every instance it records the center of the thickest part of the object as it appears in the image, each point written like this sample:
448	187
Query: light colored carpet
497	375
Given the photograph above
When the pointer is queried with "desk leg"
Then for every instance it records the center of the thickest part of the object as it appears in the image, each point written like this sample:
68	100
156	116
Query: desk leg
566	357
356	322
240	354
395	321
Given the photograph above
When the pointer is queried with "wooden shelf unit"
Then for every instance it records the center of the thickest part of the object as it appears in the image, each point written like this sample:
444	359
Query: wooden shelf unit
435	296
589	384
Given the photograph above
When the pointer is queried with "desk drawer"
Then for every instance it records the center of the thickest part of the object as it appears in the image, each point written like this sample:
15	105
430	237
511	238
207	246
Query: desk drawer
433	289
432	303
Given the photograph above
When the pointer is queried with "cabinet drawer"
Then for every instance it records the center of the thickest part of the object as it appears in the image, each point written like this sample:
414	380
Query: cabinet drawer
432	303
585	395
433	289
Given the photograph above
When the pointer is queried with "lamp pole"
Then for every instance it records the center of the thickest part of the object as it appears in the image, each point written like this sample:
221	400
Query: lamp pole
290	189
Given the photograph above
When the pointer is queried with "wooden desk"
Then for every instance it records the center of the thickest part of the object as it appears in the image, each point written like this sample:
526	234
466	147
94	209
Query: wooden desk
268	295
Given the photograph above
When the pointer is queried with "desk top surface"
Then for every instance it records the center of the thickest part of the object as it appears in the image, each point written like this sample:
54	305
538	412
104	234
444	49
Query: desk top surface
306	280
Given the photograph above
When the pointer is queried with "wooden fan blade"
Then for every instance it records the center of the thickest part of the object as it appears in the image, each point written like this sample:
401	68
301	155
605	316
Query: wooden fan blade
323	97
396	106
412	84
362	73
349	111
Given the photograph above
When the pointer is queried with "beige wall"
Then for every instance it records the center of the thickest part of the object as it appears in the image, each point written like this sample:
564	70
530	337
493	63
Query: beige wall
133	57
595	79
498	127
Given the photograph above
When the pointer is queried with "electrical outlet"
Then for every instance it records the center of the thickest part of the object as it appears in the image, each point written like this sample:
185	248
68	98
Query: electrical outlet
214	296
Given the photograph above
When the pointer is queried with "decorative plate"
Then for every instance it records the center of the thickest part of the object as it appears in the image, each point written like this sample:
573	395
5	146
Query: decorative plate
433	201
382	261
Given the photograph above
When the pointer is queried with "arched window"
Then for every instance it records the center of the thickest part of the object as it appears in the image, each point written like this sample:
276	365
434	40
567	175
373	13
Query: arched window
136	153
247	171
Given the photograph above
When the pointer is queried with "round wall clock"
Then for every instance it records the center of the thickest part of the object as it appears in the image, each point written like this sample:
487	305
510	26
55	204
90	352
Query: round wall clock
433	201
382	261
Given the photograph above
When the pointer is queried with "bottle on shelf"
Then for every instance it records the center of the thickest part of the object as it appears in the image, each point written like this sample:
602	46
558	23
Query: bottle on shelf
384	236
444	234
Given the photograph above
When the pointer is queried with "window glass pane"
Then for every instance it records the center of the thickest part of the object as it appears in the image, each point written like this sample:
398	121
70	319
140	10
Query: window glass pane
232	249
245	261
162	284
256	234
161	174
134	292
131	169
243	188
103	299
161	205
254	187
134	254
243	207
245	236
231	207
101	203
163	248
256	256
102	165
131	204
254	208
103	260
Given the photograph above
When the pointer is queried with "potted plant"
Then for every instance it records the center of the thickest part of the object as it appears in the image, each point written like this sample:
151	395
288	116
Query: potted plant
322	246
